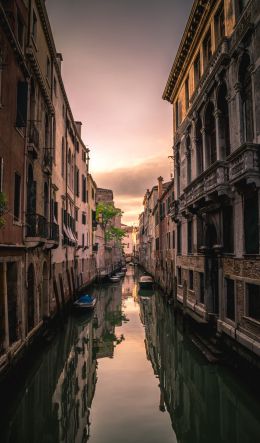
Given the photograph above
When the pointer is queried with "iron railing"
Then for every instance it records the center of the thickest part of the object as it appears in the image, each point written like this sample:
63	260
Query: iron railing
36	226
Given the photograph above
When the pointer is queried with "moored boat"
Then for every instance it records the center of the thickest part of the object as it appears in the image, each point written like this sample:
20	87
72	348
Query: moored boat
114	279
146	282
85	302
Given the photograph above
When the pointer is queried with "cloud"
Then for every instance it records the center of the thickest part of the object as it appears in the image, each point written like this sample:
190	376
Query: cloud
129	184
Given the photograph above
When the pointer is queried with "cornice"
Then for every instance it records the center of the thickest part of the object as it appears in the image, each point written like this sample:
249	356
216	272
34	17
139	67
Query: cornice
187	42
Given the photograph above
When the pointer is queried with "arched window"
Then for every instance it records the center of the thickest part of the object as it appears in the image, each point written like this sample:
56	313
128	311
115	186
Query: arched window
210	127
62	157
223	121
69	167
188	156
46	201
199	146
247	99
177	169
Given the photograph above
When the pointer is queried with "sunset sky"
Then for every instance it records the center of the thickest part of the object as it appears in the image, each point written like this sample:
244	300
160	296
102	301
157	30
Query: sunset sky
117	58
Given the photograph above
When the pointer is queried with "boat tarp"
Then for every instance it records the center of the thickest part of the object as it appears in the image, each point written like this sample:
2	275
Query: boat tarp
86	299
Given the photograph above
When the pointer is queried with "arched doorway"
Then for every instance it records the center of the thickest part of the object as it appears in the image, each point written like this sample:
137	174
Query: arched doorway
30	297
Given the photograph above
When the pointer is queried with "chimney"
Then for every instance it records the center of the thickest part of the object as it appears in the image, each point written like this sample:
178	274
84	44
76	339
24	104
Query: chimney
59	59
160	186
78	126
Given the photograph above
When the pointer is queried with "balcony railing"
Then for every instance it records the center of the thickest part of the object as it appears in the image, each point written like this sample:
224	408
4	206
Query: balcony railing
214	179
36	226
54	233
244	163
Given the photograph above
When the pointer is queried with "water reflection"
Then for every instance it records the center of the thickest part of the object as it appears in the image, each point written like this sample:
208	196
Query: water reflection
94	382
204	401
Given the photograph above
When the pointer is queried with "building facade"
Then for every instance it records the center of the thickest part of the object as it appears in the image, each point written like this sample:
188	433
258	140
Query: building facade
213	88
47	195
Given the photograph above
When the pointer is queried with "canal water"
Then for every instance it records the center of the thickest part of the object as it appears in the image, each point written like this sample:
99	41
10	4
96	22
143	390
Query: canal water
128	374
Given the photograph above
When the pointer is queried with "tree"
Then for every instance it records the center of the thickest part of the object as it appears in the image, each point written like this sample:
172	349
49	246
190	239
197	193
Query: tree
105	213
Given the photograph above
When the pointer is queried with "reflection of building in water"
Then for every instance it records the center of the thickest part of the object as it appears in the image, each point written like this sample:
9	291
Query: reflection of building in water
202	399
128	286
108	315
56	401
75	388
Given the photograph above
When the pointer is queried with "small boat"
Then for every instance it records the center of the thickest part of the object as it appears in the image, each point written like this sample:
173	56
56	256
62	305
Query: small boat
114	279
124	269
120	274
85	302
146	282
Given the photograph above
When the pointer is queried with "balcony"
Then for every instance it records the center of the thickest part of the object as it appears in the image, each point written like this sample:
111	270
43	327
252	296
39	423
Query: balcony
244	165
53	236
36	230
214	180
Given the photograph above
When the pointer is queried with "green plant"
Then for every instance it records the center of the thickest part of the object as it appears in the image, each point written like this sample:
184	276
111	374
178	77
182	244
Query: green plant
105	213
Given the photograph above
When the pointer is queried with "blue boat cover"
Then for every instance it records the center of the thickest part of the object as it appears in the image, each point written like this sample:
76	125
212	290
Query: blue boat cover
86	299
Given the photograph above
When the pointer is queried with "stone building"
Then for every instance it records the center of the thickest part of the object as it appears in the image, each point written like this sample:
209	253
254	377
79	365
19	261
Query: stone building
156	236
213	88
13	120
47	196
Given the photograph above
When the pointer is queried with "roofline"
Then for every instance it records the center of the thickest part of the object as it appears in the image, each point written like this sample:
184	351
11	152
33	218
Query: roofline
198	8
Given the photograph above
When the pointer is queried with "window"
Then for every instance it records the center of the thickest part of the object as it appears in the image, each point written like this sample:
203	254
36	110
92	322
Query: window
56	211
207	49
177	116
17	196
230	298
199	146
77	182
210	127
173	239
84	189
179	276
34	26
21	104
247	99
228	229
219	24
190	236
253	301
251	223
179	239
83	240
188	156
191	280
187	94
222	105
84	218
1	173
197	70
62	158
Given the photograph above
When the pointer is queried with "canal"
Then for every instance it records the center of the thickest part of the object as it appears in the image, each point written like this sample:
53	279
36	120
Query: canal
127	374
